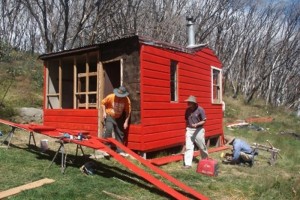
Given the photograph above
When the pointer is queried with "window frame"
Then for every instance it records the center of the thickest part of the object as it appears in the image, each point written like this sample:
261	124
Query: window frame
174	81
218	86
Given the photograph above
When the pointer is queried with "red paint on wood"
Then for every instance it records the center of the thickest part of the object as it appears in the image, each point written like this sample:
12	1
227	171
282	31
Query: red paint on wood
179	157
71	112
163	113
259	119
72	119
95	143
157	170
162	120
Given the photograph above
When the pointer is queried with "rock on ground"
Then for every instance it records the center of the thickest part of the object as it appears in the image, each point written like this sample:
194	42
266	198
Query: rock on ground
28	115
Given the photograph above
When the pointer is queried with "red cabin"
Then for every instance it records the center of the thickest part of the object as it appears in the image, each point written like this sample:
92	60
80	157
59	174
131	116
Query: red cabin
159	77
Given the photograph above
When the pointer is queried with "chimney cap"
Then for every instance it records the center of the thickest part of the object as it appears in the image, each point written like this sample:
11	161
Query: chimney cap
190	18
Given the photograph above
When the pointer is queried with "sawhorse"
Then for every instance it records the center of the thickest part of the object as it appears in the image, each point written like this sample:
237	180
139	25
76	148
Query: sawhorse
9	137
61	149
11	134
274	151
31	135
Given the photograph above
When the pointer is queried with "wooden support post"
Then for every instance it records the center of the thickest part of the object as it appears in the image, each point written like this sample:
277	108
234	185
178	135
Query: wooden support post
75	101
208	142
60	84
100	97
87	81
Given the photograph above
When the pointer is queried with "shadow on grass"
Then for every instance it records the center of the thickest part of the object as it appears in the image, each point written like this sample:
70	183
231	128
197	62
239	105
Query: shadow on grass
101	169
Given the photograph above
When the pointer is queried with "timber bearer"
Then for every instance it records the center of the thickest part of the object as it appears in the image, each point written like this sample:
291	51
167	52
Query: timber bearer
114	107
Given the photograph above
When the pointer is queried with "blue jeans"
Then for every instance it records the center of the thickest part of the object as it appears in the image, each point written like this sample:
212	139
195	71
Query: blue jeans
115	125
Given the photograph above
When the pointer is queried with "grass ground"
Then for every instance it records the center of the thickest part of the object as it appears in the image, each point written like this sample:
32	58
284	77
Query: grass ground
21	165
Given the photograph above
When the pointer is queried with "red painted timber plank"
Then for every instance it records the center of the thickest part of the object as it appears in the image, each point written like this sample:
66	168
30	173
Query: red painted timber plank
164	105
192	87
194	76
97	144
178	157
164	144
162	120
157	67
155	82
135	137
164	53
259	119
69	112
156	98
73	126
72	119
156	75
197	60
156	90
158	171
163	113
164	135
20	126
205	58
210	55
156	59
160	129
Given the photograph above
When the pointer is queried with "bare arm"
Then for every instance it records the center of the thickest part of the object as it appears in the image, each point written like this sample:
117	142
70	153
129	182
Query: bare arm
104	112
126	121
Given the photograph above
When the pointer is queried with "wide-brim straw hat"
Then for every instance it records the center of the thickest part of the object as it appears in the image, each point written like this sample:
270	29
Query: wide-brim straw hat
229	139
191	99
121	92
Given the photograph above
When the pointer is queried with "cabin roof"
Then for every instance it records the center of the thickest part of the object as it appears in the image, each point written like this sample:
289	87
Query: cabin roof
141	39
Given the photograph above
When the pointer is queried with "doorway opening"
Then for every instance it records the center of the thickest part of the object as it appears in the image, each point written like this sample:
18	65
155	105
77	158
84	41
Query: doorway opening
112	75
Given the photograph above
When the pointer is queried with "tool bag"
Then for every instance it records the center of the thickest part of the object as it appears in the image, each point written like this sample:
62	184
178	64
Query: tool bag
208	166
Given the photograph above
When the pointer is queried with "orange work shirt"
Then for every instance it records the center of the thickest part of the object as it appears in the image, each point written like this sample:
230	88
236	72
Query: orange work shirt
115	106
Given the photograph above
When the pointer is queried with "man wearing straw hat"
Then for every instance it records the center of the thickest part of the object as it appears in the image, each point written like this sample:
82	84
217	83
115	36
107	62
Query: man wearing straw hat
241	152
114	105
195	119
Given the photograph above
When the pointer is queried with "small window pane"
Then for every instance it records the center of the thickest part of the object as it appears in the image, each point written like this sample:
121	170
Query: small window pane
216	86
173	81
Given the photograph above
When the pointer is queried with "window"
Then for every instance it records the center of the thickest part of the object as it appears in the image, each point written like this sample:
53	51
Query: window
216	85
72	82
173	81
54	73
86	88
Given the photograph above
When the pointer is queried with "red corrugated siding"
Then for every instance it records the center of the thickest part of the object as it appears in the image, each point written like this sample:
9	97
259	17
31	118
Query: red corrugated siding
163	121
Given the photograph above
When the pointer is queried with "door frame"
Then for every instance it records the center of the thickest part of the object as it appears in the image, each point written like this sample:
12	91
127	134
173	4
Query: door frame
101	88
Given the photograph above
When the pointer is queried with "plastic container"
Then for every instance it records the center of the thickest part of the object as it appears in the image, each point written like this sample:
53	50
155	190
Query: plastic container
79	136
44	145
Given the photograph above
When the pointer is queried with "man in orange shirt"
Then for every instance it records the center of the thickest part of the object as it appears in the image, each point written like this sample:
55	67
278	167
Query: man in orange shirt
114	105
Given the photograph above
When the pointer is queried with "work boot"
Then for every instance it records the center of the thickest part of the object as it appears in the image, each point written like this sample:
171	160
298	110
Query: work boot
251	162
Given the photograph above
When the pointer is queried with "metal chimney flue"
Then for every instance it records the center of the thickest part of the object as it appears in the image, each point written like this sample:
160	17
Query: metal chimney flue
190	31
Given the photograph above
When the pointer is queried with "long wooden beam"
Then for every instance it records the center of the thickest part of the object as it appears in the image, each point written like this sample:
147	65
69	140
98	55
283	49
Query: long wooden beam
160	172
98	143
178	157
28	186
